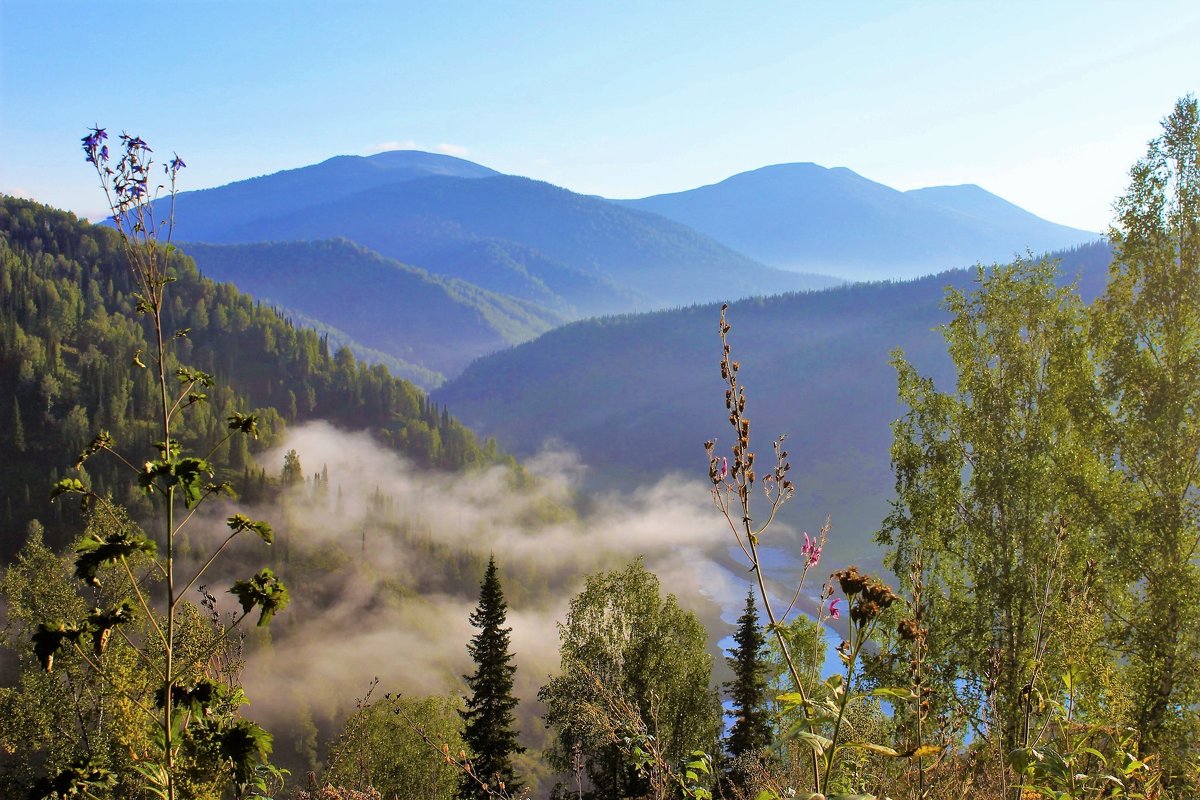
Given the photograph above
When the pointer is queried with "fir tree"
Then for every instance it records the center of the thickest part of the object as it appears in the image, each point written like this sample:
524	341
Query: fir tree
489	733
751	732
18	429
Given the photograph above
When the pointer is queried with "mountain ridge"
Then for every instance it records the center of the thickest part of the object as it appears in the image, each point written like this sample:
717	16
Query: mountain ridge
834	221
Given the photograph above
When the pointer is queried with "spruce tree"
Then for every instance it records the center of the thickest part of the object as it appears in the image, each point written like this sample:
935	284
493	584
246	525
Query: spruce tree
751	732
489	732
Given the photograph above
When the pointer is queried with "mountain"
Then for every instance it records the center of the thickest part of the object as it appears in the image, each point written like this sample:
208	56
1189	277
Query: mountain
70	337
594	255
204	214
834	221
428	321
637	395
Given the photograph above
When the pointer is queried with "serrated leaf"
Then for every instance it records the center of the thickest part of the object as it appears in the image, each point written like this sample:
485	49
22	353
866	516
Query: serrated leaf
51	638
187	474
68	486
94	553
240	522
195	376
101	624
246	423
245	745
265	592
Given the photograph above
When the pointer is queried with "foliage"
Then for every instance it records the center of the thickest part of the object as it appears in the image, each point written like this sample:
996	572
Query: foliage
53	722
447	323
393	747
199	742
633	664
1147	336
751	731
70	340
992	484
488	716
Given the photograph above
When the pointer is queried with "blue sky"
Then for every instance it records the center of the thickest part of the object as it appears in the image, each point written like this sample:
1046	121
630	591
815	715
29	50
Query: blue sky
1044	103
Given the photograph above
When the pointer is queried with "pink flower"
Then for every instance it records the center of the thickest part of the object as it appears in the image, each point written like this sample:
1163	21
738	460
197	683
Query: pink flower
811	552
833	609
724	467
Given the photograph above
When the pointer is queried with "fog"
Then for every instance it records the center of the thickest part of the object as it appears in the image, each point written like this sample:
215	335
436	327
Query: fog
367	598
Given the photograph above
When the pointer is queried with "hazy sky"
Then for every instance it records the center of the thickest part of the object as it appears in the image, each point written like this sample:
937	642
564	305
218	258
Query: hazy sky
1045	103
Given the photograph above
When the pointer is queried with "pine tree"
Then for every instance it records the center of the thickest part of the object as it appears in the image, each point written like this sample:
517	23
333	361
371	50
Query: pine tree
18	429
751	732
489	733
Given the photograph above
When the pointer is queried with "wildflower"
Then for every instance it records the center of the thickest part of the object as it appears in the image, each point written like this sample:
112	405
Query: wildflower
175	164
811	550
724	467
833	609
93	145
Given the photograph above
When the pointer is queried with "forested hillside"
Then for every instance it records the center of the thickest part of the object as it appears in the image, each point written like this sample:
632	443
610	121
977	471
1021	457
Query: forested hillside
438	324
633	394
71	348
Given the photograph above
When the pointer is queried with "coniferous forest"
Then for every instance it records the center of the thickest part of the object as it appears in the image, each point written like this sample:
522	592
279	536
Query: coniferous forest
192	599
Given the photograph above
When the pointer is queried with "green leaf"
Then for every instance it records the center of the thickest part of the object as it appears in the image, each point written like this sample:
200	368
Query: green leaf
187	474
240	522
245	746
84	777
101	624
246	423
814	740
96	552
156	777
103	441
264	591
68	485
194	376
897	693
51	638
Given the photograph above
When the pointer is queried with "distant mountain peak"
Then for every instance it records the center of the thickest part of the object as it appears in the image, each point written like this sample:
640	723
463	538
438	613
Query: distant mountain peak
803	216
435	163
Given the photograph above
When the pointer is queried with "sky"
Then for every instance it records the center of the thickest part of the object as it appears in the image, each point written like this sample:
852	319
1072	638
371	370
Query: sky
1046	104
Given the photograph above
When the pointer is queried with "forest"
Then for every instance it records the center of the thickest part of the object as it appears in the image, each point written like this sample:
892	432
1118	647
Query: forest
1035	633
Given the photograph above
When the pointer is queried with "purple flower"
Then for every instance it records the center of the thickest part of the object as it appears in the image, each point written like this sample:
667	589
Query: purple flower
724	467
92	145
833	609
135	143
175	164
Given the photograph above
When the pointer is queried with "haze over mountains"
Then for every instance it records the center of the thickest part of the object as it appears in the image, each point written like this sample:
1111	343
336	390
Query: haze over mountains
637	395
442	260
835	221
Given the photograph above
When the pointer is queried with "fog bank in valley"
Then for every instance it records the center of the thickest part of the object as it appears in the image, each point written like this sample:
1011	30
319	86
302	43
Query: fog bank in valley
384	559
